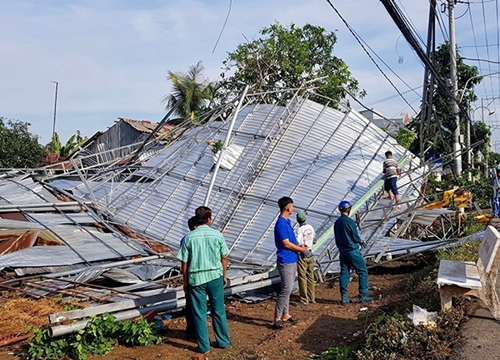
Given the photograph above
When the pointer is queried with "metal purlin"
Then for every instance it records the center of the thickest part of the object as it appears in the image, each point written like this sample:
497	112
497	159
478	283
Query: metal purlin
276	139
194	141
184	177
333	173
86	169
57	235
113	172
238	182
125	240
135	191
225	144
328	234
249	182
306	173
362	174
377	231
199	189
133	153
266	142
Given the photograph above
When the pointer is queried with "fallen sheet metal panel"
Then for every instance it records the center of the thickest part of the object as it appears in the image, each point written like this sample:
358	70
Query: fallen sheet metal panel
427	217
87	247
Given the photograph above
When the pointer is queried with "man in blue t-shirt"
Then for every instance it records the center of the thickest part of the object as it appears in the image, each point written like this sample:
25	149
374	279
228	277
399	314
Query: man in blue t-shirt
287	250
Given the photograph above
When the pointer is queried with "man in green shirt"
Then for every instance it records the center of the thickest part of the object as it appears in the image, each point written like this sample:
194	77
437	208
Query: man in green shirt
204	262
348	242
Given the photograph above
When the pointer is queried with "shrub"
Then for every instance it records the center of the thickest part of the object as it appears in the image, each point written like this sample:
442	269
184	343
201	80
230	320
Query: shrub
98	338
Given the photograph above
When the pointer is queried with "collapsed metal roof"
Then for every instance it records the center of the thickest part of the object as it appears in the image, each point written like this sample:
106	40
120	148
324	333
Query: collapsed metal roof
105	220
313	153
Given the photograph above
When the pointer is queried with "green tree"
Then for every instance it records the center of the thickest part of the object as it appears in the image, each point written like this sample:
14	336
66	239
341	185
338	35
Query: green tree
439	131
19	147
494	159
286	58
72	144
195	91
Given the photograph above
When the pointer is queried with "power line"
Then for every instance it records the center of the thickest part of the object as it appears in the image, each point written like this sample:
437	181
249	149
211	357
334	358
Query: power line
369	55
223	26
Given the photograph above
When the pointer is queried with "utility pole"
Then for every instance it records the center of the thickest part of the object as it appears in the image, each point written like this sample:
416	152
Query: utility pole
55	109
454	83
469	150
427	96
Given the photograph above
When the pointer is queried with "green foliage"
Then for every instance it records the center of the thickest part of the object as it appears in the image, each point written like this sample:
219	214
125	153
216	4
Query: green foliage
19	147
69	306
55	146
98	338
468	251
405	137
438	132
138	333
288	57
217	146
196	93
44	347
480	132
472	226
339	353
386	338
494	159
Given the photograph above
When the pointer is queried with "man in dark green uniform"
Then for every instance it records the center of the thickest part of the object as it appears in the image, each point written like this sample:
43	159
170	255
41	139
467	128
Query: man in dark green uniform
348	242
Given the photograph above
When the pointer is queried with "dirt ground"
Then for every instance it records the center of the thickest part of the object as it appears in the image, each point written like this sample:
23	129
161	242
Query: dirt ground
322	325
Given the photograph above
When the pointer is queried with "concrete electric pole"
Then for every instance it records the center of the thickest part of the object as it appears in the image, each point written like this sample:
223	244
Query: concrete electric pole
457	153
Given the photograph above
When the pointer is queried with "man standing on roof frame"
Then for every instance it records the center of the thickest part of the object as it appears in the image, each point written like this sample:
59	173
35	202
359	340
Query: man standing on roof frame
287	250
391	171
204	263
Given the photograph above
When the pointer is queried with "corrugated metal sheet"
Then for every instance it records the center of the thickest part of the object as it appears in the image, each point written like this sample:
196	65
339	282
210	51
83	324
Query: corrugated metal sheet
24	191
84	246
315	154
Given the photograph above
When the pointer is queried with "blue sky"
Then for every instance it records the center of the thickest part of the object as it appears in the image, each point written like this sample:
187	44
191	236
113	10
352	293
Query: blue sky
111	58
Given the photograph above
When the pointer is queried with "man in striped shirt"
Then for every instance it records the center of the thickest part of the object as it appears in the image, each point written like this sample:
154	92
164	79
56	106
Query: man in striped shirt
204	263
391	171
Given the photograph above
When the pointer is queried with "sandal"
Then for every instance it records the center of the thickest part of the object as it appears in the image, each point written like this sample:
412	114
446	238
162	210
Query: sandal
279	324
291	320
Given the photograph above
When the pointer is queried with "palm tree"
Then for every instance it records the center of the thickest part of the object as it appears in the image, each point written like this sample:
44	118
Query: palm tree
193	89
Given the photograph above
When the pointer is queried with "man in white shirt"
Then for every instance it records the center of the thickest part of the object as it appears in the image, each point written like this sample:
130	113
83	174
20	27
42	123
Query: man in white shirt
305	267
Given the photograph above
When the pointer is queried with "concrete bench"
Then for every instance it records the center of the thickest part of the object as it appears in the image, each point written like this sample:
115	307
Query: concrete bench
479	279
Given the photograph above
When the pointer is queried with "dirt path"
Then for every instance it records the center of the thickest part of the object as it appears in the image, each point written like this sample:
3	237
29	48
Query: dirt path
480	336
324	324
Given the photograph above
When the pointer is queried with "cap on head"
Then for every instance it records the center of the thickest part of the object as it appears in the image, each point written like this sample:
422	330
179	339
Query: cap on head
344	205
498	169
301	217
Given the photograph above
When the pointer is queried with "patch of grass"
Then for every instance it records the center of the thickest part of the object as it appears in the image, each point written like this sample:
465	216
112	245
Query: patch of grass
472	226
468	251
338	353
